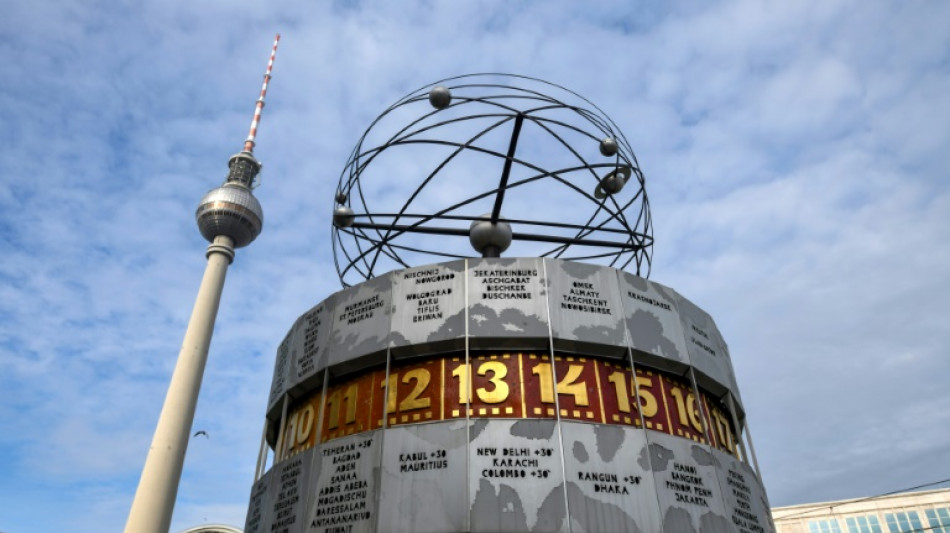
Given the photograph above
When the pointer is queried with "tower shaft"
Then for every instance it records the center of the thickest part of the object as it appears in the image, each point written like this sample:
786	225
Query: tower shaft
158	487
229	217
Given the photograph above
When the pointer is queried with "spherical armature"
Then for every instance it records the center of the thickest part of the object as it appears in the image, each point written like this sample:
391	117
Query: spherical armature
555	175
343	217
488	239
230	210
440	97
608	147
612	183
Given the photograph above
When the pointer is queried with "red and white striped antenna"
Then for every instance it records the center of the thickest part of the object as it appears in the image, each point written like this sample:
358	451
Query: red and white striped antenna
249	142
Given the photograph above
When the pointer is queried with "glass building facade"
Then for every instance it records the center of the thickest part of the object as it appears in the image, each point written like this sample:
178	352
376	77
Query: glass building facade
908	512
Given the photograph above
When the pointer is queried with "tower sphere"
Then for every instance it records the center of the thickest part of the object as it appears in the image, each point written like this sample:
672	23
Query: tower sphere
230	210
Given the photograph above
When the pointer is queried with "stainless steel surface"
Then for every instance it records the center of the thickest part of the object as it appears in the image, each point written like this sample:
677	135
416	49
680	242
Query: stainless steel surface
258	512
585	309
344	491
706	348
516	480
361	321
428	309
507	302
281	374
609	482
308	349
230	210
746	503
654	328
421	486
687	485
289	493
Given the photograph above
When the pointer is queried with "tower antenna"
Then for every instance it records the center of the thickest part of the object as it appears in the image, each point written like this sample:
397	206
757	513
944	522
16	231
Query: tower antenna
252	135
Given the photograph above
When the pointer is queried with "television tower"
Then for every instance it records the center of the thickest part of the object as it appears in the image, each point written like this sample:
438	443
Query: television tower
229	217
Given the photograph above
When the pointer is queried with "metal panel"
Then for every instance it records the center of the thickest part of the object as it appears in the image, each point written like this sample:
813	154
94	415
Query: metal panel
429	308
507	306
653	322
421	487
344	496
731	370
609	482
279	380
287	497
361	321
585	308
308	351
516	480
706	347
687	486
316	468
258	514
746	505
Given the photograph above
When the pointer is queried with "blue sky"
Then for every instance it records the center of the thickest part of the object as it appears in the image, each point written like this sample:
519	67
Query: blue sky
795	155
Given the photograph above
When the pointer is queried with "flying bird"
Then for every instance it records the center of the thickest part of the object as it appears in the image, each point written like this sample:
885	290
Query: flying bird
201	432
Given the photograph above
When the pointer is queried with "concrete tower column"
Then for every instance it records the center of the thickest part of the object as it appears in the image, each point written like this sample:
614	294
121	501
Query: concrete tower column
158	487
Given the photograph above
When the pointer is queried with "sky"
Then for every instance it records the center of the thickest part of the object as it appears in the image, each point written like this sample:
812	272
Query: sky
795	154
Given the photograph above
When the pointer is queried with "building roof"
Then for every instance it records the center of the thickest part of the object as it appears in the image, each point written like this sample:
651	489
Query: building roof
213	528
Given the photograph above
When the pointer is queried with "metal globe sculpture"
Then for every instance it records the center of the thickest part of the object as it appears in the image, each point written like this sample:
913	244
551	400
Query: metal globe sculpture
555	175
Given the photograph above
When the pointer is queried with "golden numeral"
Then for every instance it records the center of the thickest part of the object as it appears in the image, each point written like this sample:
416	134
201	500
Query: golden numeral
305	419
500	390
422	377
723	430
335	403
568	385
690	415
298	429
465	386
620	388
546	380
413	401
648	404
391	393
694	415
